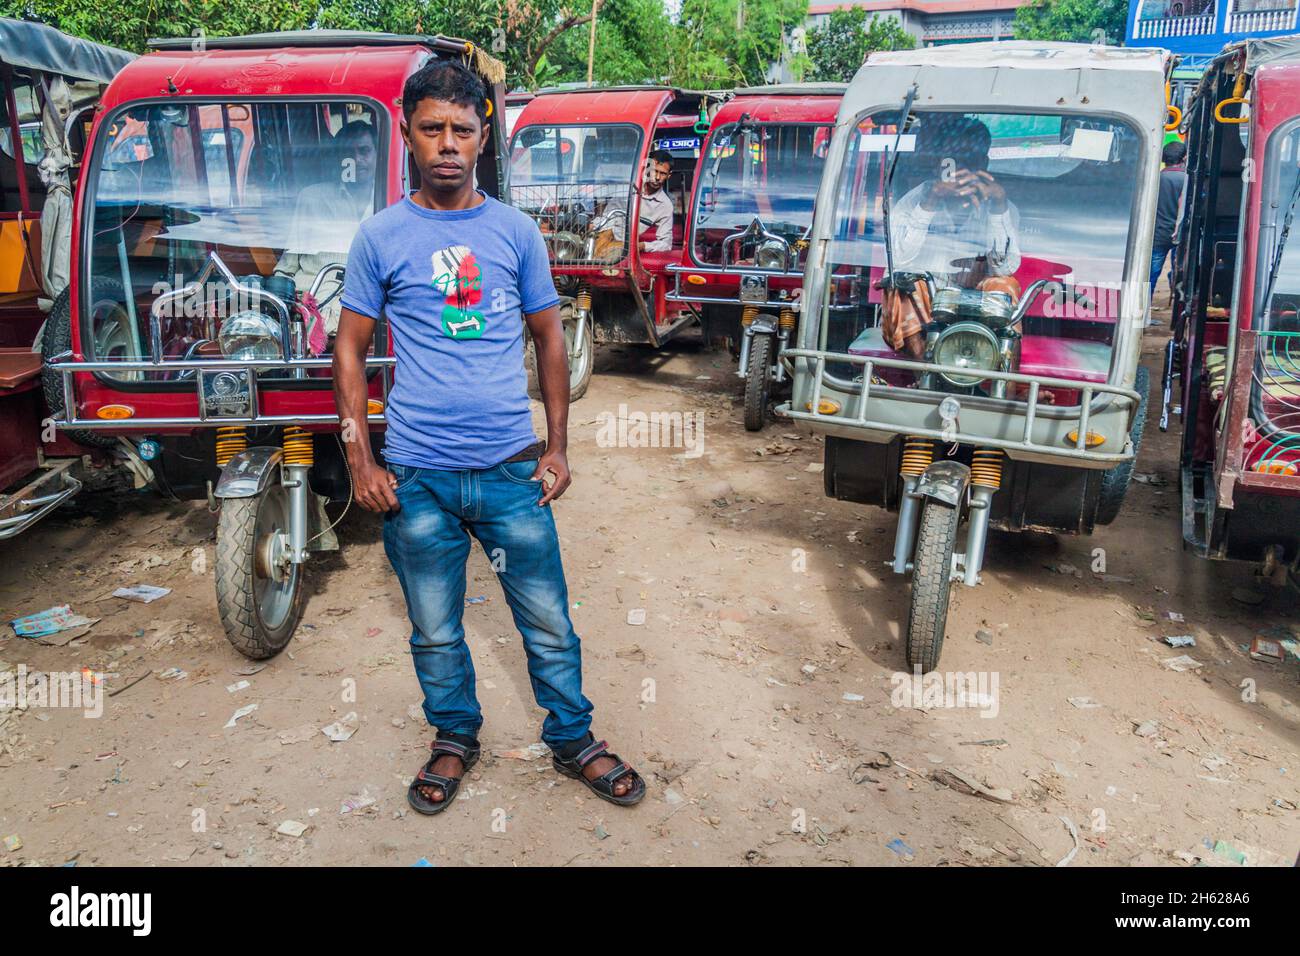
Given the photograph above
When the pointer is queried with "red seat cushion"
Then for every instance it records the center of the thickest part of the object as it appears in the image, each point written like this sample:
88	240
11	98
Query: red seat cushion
18	366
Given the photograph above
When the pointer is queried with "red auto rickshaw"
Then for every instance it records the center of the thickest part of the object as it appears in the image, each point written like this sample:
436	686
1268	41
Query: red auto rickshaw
218	202
750	218
1236	311
50	84
577	160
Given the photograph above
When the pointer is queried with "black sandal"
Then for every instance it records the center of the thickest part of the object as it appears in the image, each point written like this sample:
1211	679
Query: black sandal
602	786
427	778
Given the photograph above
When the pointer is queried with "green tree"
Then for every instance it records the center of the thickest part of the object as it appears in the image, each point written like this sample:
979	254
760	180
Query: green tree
1081	21
633	38
839	46
723	43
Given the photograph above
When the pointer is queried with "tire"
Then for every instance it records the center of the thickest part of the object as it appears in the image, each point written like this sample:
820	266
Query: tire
579	372
931	584
259	614
758	382
1115	481
57	338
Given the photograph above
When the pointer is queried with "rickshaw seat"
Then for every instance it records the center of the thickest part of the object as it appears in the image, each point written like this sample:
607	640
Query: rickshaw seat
872	342
18	366
1064	358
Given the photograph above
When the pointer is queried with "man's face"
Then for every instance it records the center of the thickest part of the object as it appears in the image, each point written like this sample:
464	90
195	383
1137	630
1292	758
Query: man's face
363	157
445	140
656	175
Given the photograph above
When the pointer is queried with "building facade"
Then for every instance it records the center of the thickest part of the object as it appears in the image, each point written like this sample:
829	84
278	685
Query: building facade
1197	29
934	22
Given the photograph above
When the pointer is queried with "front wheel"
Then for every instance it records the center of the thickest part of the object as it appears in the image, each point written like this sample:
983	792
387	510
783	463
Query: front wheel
259	591
758	382
931	584
580	349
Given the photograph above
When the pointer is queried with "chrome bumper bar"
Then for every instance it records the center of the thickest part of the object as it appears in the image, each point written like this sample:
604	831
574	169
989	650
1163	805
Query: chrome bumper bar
1029	408
32	502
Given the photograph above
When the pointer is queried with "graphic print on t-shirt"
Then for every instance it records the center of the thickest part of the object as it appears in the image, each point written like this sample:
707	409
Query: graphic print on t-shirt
456	274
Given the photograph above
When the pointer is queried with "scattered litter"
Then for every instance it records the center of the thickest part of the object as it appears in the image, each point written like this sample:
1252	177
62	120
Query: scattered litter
1175	617
292	828
531	752
881	761
814	467
809	669
902	849
633	653
342	730
249	669
297	735
61	617
852	698
1146	728
984	636
179	764
357	802
1064	568
173	673
1181	640
237	686
481	599
374	631
995	742
1074	835
1083	703
1182	663
601	832
421	862
131	681
144	593
13	843
1267	650
242	712
965	783
636	615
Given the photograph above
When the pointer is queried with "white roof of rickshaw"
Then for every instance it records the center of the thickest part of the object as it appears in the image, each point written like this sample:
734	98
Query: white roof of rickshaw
1017	75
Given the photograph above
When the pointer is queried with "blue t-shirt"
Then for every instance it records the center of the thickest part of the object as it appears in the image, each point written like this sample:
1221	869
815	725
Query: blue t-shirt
453	286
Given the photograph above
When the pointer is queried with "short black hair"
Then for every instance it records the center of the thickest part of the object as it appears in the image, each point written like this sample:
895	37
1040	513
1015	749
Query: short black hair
446	80
351	133
1173	153
661	156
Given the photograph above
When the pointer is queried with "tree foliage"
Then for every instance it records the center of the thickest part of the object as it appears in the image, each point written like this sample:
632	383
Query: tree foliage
839	46
1080	21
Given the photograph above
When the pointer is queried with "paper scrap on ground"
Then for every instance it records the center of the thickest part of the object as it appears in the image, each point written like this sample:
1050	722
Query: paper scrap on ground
61	617
242	712
144	593
342	730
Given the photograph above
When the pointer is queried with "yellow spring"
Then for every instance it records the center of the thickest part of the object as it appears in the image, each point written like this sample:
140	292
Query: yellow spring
297	446
748	314
986	468
583	299
917	455
231	440
787	319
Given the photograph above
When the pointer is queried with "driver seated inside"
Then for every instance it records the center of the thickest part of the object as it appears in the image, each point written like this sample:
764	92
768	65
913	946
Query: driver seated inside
656	217
325	220
957	226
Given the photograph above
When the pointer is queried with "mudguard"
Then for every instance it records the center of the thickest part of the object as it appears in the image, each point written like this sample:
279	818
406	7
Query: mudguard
944	481
249	472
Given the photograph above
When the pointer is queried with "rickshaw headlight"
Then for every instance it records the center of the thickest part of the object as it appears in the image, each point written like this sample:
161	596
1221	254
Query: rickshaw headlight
770	255
967	345
250	335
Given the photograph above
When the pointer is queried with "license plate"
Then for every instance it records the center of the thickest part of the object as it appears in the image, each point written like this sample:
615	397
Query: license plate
753	288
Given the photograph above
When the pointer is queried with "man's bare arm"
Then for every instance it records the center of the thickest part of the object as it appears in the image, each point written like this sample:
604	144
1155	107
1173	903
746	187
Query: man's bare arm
373	486
553	378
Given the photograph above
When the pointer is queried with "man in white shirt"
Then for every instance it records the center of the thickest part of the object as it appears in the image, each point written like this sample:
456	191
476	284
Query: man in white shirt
656	204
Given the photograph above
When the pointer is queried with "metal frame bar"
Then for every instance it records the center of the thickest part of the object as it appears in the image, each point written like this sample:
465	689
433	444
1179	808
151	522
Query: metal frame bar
31	510
820	358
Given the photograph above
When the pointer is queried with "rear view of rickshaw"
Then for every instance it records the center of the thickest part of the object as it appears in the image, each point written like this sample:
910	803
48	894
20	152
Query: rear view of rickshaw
975	296
751	216
50	84
220	196
1236	311
579	160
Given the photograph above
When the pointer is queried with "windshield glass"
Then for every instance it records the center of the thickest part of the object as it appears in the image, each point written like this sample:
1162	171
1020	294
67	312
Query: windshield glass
277	190
768	172
576	182
1275	389
1014	204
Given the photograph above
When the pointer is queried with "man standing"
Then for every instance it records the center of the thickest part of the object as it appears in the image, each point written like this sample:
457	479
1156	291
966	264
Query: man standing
452	271
1169	208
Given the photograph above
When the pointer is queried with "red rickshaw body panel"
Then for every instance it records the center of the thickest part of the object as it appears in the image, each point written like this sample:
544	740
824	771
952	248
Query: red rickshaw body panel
372	73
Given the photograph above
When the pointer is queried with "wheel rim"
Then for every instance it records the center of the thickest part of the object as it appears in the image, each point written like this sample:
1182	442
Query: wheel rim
112	341
578	368
274	584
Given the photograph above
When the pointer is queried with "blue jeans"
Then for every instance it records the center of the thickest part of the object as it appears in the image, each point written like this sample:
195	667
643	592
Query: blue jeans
1159	252
427	542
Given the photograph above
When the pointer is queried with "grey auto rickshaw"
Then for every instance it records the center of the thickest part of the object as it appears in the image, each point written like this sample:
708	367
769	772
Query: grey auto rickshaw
975	298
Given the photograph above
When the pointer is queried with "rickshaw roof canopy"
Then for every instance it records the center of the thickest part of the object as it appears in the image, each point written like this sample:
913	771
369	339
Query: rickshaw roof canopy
1244	57
786	103
36	46
638	105
1015	75
793	89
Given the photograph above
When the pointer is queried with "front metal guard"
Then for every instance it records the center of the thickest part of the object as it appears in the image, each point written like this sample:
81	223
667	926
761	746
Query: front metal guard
675	294
1008	410
248	473
944	481
33	501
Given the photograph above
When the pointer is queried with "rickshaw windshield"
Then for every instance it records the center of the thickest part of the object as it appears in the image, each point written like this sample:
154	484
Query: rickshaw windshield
768	172
982	202
1275	389
275	189
576	181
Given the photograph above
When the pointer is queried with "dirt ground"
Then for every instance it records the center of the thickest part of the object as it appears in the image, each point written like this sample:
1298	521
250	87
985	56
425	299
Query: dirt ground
756	698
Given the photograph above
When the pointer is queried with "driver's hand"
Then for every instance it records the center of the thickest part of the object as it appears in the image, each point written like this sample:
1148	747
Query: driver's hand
557	463
373	487
990	191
